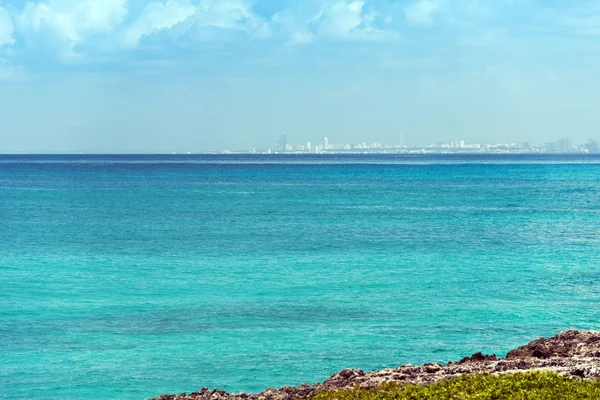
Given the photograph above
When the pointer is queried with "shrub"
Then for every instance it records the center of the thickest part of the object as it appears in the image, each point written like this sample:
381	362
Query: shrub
522	386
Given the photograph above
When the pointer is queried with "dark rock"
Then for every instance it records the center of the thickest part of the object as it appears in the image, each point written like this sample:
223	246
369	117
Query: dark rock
501	366
478	357
432	368
579	372
347	373
566	344
521	364
574	353
541	353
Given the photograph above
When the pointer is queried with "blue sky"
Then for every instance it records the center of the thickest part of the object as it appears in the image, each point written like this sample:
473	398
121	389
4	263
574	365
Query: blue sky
197	75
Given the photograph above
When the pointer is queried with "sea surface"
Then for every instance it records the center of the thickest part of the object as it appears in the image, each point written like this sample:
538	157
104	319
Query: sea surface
125	277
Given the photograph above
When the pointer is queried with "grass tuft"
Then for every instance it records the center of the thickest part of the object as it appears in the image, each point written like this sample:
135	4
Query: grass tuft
522	386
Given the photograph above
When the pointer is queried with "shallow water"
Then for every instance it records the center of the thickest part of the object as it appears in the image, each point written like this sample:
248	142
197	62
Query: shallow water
132	276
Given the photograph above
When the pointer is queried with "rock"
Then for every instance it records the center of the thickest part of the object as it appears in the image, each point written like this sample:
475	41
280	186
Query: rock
571	353
347	373
578	372
478	357
566	344
432	368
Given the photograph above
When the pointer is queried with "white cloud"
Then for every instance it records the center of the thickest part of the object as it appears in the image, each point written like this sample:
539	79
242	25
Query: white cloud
223	14
422	12
348	20
71	21
158	16
68	26
292	25
6	27
229	14
341	18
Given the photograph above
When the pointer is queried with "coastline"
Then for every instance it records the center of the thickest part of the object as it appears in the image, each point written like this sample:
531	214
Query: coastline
571	353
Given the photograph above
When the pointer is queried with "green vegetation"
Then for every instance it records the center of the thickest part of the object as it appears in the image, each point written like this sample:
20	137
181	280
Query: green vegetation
525	386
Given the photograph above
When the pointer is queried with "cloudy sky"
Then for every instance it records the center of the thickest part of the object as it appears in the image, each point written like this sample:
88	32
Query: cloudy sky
197	75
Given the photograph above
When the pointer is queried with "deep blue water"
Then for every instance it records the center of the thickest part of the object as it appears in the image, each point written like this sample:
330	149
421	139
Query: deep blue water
131	276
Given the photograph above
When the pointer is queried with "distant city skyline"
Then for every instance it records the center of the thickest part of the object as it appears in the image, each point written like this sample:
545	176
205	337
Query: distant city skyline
198	75
326	146
563	145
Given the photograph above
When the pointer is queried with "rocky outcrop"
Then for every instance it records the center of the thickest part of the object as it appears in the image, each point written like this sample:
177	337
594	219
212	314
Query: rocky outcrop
567	344
574	353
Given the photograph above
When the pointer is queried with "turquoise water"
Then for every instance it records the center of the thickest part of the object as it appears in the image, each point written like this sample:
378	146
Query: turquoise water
131	276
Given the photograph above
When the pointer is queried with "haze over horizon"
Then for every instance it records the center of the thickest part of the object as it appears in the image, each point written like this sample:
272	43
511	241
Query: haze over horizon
199	75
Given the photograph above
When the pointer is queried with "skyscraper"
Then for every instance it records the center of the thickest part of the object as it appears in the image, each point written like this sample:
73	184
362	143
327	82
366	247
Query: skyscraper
326	143
565	144
282	144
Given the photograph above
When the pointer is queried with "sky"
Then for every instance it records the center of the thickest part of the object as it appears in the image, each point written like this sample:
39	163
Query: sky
104	76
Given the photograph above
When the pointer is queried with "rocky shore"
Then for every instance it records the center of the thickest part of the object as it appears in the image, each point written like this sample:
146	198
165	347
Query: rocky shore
574	353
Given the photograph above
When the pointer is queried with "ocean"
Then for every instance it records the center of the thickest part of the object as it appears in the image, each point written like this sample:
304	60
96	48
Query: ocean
132	276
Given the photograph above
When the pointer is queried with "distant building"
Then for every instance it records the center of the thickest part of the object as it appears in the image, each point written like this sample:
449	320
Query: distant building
550	147
326	143
282	144
565	144
592	146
